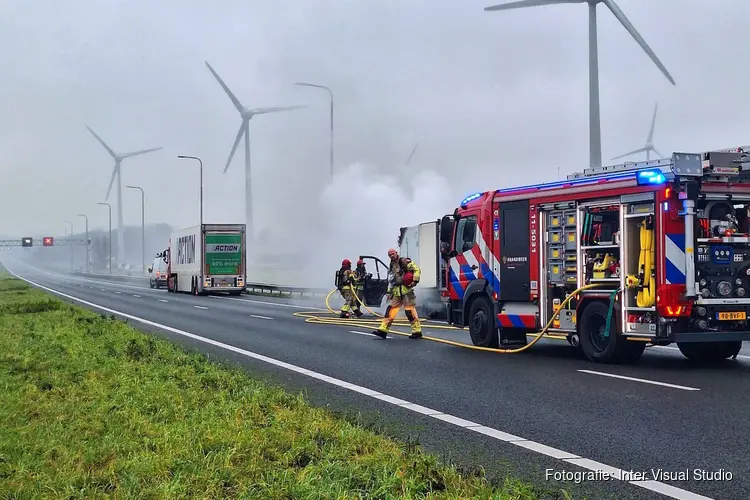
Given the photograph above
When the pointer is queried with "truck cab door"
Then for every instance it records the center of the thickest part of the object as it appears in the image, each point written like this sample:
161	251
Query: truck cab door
445	240
377	285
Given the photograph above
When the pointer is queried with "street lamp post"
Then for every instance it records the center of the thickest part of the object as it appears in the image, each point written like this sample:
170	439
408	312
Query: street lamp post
110	235
201	214
303	84
143	227
88	259
201	180
70	234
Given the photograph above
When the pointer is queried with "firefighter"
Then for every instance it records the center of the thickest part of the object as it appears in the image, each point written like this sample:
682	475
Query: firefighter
347	280
359	288
403	276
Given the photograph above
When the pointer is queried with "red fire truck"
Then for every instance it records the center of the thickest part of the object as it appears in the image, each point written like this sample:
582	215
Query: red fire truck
654	252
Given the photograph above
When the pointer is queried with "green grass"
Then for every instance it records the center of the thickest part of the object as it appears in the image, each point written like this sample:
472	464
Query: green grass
93	408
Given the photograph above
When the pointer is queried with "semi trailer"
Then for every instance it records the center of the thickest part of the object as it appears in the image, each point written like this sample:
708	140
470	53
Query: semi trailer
207	258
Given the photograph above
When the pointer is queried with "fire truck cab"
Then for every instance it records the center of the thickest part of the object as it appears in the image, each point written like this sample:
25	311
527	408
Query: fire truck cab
613	258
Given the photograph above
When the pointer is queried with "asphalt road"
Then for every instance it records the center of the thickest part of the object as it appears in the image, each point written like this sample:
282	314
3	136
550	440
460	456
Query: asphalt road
662	414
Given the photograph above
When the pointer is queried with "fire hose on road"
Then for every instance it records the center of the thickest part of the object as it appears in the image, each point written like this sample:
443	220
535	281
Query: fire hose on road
316	317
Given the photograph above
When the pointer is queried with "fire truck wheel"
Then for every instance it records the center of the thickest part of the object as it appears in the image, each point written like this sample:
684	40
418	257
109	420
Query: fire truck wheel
606	347
709	351
481	327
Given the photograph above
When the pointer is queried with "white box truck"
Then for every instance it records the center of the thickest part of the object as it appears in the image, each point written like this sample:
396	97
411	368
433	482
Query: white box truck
421	243
207	258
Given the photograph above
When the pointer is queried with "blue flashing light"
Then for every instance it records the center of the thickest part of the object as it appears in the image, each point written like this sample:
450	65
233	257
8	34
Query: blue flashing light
469	198
496	225
651	177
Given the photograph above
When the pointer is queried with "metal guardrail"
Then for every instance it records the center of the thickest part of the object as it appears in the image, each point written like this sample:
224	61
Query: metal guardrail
264	288
284	290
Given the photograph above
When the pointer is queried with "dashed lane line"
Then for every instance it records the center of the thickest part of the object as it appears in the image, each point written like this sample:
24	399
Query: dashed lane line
656	486
200	307
641	380
259	316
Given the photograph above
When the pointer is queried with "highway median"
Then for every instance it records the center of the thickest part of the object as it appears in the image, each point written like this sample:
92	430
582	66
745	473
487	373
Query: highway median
93	407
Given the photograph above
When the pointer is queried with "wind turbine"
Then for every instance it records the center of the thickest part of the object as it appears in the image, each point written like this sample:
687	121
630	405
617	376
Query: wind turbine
116	172
411	155
595	139
649	146
246	114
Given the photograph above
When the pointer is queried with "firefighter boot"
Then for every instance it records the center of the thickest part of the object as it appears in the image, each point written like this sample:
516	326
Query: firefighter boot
382	330
358	312
380	333
385	325
416	327
344	315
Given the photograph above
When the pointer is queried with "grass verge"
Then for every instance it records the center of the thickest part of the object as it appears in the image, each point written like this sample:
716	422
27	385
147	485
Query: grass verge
92	407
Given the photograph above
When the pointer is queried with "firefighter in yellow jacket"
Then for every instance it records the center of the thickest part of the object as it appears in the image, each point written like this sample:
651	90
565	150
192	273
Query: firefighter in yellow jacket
347	281
359	287
403	276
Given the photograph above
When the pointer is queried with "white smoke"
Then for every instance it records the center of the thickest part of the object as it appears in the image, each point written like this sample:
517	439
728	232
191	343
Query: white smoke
361	212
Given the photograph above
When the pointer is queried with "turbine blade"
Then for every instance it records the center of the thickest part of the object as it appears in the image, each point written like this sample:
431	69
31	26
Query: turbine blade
235	101
658	153
111	181
242	130
102	142
638	38
639	150
128	155
527	3
262	111
653	122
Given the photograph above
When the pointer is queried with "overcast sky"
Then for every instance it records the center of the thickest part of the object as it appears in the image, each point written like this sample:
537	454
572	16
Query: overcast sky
493	98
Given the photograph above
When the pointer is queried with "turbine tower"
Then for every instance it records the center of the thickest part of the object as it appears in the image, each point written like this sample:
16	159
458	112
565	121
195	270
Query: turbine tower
649	146
595	139
246	114
116	173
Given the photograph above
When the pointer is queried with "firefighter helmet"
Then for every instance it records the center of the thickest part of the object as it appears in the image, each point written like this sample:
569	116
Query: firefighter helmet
346	263
408	279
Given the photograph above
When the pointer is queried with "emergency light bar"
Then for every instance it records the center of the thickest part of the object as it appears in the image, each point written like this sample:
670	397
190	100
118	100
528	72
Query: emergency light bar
469	198
646	177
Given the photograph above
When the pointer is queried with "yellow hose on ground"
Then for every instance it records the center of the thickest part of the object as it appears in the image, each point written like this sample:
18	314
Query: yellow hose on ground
314	317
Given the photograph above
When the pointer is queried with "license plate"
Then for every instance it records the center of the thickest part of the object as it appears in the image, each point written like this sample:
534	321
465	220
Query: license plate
730	316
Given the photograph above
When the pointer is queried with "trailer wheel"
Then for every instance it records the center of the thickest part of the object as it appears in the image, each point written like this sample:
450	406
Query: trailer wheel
709	351
606	347
481	324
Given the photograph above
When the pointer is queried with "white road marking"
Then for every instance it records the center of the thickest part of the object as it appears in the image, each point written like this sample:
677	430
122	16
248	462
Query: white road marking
739	356
642	380
134	295
102	289
259	317
118	293
656	486
163	300
366	333
200	307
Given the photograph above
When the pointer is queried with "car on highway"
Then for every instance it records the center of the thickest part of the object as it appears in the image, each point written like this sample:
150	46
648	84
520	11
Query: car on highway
157	272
